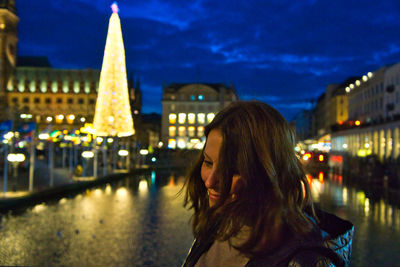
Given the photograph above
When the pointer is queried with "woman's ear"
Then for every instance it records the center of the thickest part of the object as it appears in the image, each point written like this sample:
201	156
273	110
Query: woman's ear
237	184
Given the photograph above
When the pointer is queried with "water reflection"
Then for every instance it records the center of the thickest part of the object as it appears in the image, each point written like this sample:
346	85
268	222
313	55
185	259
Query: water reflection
137	222
374	211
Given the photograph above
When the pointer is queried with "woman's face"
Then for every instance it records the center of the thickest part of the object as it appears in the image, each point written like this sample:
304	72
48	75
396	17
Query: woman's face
209	167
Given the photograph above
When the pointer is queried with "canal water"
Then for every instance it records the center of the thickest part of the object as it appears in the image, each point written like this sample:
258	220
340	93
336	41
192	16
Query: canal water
140	221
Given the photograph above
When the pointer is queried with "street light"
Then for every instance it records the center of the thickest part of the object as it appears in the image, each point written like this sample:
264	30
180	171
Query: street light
15	159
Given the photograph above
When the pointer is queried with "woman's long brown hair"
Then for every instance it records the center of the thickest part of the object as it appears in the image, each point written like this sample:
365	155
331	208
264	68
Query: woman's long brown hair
258	144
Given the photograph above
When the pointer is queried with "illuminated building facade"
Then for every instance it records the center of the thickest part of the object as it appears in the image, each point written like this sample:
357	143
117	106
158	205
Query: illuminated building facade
392	92
366	97
187	108
61	97
8	50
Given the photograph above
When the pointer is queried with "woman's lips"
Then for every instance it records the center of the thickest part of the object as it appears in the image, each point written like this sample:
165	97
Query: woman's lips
213	196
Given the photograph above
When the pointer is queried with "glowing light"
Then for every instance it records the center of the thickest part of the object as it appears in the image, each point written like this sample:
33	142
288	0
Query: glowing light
358	83
9	135
191	118
113	115
357	123
160	144
143	152
321	158
201	118
83	119
181	143
49	119
99	140
364	78
114	7
143	186
153	159
351	86
321	177
123	153
110	140
181	118
15	157
44	136
172	143
348	89
306	156
345	146
87	154
369	74
210	117
122	192
172	118
366	145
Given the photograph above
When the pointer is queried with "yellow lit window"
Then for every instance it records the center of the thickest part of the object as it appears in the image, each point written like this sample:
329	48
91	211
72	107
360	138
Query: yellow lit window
210	117
191	118
200	131
70	118
172	118
59	118
182	131
191	131
181	118
172	130
201	118
181	143
171	143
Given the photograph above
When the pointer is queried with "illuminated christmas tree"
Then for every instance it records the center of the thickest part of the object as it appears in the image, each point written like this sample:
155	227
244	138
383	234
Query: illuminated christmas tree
113	113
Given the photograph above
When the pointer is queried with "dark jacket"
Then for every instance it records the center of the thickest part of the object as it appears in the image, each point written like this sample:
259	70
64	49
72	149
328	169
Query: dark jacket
329	244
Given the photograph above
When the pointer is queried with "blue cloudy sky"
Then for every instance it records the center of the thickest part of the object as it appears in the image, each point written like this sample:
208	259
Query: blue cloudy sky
278	51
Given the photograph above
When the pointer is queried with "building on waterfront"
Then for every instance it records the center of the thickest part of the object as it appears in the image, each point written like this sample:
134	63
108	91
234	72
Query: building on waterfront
8	50
366	97
64	98
392	92
187	108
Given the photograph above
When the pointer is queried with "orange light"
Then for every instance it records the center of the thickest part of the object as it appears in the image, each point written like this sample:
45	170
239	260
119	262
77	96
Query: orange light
321	158
340	122
309	178
357	123
321	177
65	132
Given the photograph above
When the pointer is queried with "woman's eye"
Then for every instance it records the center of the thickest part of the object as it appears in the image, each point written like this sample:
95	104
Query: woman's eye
207	163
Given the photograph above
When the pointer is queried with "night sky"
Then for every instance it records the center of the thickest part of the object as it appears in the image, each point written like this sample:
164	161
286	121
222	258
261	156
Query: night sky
277	51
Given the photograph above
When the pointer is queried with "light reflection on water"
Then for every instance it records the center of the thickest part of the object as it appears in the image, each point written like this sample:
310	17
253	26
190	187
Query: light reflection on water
141	222
135	222
375	212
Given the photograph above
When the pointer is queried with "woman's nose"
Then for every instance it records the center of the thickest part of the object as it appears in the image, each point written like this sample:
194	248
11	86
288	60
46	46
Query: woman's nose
211	180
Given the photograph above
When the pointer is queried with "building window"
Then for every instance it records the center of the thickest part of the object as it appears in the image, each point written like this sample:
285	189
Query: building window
172	131
15	100
181	143
47	100
172	118
192	97
172	143
200	131
36	100
191	118
210	117
200	97
191	131
25	100
201	118
181	118
92	101
80	101
182	131
59	100
70	101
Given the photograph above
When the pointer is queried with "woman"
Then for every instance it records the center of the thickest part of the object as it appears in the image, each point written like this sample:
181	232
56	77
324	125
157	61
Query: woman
251	199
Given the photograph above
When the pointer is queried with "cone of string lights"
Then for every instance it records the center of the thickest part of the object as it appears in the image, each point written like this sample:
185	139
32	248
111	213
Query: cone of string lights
113	113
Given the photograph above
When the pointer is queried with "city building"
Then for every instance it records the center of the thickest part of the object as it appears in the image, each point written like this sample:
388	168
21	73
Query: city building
8	50
64	98
366	97
187	108
392	92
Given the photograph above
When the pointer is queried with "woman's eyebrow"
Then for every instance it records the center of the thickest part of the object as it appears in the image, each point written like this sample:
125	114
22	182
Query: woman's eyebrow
205	155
